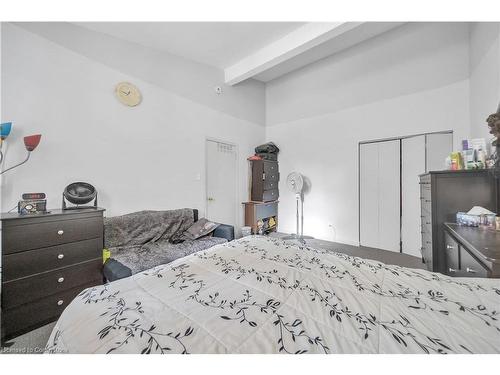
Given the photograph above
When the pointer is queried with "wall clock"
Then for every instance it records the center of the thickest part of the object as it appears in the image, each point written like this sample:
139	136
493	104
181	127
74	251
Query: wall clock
128	94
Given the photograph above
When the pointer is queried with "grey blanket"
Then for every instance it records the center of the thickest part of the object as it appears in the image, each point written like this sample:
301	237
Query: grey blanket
140	228
141	258
140	240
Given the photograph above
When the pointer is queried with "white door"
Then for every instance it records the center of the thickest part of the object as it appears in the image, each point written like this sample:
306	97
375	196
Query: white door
221	182
413	164
379	195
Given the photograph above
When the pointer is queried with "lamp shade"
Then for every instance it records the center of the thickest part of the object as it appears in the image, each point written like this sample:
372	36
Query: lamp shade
31	141
5	130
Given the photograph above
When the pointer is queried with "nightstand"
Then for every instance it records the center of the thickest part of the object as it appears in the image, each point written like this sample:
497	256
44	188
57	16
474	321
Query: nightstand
47	260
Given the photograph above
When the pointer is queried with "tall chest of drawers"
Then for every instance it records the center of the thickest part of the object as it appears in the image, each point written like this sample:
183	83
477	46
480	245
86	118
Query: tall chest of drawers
442	195
47	260
265	179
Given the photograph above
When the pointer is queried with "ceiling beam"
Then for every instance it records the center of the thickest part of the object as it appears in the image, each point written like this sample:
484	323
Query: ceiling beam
298	43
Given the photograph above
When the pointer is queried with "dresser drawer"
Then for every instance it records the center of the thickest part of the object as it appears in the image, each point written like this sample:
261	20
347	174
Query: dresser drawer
271	167
31	262
27	317
427	240
20	291
427	249
469	266
451	249
265	210
426	206
270	195
18	238
272	177
426	223
270	185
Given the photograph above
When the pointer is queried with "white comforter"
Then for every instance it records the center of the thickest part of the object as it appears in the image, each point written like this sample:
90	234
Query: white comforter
261	295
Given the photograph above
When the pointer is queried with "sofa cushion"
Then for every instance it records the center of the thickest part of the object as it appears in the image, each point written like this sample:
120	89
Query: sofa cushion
114	270
199	229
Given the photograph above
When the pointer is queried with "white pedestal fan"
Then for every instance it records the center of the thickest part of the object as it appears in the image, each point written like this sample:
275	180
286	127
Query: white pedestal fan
295	182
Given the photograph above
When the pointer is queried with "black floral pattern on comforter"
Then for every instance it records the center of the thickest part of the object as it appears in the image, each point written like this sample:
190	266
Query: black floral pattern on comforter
262	295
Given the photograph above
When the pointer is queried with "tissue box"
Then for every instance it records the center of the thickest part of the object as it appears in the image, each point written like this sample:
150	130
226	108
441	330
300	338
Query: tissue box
468	220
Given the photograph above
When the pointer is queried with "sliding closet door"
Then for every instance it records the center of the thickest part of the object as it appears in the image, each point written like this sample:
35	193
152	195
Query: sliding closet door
389	197
368	194
379	195
439	146
412	165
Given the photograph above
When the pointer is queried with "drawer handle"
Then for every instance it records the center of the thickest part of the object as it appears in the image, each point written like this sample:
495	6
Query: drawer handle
60	280
452	270
60	232
60	302
60	256
428	223
449	247
470	270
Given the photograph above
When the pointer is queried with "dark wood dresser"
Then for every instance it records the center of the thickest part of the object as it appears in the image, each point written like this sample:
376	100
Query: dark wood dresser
442	195
47	259
471	252
265	179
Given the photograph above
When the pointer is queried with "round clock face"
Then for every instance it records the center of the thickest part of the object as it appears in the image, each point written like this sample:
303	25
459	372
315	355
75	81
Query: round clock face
128	94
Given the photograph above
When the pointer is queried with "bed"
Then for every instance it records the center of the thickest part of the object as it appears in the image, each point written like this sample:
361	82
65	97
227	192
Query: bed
263	295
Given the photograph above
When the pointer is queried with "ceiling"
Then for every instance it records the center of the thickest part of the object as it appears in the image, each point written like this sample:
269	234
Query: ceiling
244	50
219	44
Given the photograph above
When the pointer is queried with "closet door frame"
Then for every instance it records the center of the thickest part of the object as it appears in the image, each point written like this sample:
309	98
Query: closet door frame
400	139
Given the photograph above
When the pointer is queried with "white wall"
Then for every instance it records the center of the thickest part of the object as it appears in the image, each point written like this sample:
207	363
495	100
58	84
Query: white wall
146	157
484	75
410	80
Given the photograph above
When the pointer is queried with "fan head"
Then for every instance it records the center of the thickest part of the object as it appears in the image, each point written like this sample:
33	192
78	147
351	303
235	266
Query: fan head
79	193
295	182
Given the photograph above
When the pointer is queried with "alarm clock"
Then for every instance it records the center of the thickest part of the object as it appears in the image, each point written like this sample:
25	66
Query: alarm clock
30	196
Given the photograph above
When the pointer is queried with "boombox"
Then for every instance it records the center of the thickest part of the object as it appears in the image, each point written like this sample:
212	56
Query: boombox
32	203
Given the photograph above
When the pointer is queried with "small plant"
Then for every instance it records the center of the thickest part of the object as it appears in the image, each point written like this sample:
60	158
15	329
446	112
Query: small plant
493	121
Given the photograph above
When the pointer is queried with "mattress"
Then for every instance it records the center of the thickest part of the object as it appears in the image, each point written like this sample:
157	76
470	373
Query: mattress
263	295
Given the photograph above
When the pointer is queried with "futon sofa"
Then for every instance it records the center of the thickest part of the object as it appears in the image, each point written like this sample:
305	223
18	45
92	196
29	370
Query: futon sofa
146	239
